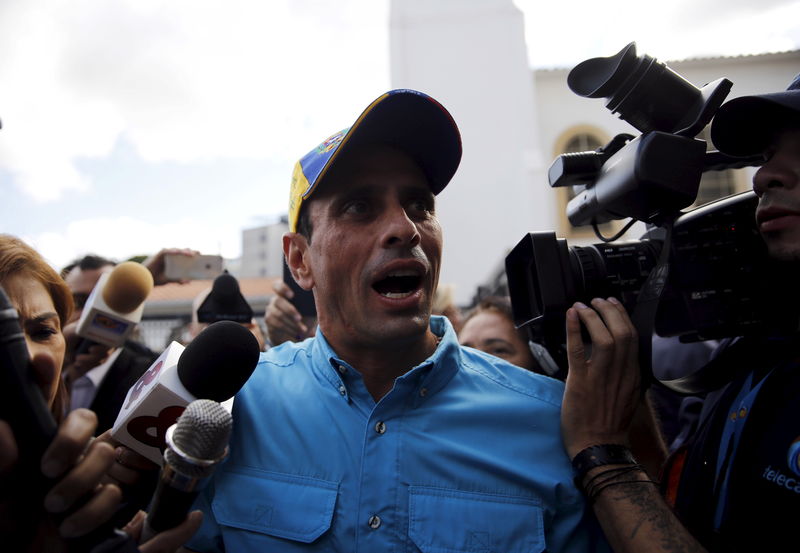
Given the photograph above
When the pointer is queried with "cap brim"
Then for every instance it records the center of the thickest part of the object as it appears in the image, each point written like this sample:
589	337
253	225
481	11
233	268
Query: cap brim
746	126
413	123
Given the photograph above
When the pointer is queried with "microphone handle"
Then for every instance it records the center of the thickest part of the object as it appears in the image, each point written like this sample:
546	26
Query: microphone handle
172	501
23	406
84	345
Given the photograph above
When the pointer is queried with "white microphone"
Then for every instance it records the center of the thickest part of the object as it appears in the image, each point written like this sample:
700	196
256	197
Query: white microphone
215	365
116	304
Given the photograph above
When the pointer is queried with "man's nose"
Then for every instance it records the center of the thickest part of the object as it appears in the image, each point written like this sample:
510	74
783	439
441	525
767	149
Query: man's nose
399	229
773	174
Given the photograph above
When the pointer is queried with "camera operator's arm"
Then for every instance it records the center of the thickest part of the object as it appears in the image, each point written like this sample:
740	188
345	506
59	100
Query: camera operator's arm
601	397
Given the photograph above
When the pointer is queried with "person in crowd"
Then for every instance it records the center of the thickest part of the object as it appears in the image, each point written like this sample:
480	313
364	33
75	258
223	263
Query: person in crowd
77	501
99	379
381	433
489	327
735	484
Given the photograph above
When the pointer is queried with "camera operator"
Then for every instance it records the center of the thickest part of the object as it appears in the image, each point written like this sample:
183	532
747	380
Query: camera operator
736	485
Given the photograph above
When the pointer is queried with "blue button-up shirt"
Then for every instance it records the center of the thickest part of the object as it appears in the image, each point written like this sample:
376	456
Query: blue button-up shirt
463	454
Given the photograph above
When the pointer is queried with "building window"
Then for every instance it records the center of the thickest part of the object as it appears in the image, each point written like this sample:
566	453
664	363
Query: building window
582	142
581	139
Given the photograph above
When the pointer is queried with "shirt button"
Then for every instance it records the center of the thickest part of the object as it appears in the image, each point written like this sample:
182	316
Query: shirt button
342	390
342	369
423	392
380	428
374	522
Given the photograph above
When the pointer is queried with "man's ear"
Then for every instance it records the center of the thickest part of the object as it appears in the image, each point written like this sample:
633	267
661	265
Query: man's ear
296	252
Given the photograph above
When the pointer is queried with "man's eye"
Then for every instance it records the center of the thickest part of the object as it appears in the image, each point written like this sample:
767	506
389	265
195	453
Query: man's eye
357	207
421	206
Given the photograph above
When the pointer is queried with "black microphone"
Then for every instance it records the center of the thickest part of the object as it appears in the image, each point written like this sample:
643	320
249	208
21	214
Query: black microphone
22	403
196	444
215	365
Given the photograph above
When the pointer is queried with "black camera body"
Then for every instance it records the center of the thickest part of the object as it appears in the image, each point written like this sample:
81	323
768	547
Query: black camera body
716	279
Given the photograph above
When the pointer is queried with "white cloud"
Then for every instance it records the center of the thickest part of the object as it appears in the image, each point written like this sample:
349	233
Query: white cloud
123	237
562	34
184	80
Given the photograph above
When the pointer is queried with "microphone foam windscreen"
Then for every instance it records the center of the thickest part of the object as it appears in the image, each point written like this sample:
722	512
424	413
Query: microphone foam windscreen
217	363
127	287
201	433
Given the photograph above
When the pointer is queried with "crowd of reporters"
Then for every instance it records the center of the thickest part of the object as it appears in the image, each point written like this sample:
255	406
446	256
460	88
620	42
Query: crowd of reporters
92	481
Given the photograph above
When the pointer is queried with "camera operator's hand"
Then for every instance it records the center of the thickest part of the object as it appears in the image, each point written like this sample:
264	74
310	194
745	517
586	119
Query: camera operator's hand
602	391
284	322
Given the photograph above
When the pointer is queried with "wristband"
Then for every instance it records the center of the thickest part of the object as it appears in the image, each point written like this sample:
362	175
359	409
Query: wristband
599	455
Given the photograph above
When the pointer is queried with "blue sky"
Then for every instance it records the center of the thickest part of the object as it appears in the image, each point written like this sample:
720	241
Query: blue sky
131	125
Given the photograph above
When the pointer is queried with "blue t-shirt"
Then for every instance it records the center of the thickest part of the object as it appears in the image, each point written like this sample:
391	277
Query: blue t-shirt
463	454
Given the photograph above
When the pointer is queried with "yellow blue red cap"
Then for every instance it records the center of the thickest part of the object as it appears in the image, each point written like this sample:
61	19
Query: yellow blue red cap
408	120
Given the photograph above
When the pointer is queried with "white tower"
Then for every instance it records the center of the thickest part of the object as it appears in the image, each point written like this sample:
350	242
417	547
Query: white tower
471	56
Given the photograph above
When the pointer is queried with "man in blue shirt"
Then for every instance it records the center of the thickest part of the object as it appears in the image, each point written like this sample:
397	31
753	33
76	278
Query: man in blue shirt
382	433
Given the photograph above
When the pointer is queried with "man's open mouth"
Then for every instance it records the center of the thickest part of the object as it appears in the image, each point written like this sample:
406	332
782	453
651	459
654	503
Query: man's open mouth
398	284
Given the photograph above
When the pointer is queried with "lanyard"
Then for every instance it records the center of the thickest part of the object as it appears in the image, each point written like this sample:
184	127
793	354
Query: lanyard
729	442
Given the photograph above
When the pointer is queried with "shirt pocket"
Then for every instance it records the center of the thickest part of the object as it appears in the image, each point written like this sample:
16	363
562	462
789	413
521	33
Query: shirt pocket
452	521
262	508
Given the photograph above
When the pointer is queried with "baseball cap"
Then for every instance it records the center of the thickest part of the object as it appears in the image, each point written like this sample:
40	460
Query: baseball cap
408	120
746	125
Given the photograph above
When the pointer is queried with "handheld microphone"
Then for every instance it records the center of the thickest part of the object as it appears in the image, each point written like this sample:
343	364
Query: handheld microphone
215	365
196	444
116	304
22	405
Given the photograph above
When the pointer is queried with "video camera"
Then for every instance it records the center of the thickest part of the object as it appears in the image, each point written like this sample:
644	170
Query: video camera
699	275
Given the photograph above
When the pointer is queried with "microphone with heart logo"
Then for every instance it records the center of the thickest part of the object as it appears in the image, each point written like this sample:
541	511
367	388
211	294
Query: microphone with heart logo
215	365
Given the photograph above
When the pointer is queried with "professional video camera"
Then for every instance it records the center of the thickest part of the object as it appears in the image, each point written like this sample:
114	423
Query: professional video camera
719	282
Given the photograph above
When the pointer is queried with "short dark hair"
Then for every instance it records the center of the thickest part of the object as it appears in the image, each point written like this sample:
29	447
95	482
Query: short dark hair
87	263
304	226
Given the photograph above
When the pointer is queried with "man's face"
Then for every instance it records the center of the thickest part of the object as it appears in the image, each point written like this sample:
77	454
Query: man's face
375	251
777	184
81	283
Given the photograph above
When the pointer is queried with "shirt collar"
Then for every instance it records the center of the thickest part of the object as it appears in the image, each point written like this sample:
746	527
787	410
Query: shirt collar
432	374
